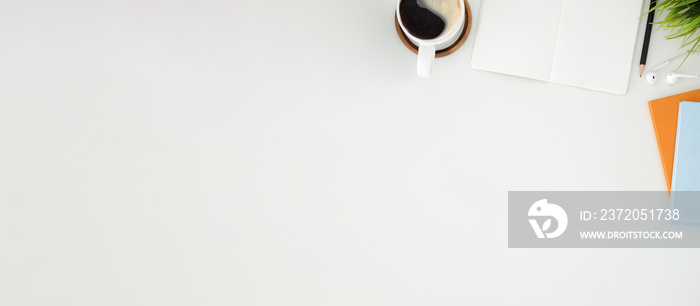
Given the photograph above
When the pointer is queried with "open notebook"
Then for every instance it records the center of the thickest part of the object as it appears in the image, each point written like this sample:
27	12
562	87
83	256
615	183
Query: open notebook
582	43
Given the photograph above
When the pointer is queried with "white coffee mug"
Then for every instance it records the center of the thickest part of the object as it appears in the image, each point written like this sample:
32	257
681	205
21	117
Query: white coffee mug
428	47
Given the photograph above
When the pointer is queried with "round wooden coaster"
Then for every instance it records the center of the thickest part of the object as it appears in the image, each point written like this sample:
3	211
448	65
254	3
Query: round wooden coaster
444	52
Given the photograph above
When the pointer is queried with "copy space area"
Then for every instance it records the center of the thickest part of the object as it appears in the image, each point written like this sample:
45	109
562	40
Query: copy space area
285	153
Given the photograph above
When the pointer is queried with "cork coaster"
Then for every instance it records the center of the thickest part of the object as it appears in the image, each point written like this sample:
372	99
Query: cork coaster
444	52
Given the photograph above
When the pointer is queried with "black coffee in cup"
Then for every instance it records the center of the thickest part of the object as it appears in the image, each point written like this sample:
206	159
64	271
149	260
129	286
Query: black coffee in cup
428	19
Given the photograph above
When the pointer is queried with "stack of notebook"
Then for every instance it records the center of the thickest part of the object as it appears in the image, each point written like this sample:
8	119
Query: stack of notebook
677	125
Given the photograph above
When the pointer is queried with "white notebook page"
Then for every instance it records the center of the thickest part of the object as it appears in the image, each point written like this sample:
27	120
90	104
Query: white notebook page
582	43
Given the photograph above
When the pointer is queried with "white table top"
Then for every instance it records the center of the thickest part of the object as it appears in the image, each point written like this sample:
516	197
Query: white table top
285	153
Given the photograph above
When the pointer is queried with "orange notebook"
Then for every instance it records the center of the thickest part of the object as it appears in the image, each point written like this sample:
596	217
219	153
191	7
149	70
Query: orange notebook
664	115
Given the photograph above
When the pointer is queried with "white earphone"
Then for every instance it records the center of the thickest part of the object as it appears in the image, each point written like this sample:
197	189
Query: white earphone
651	77
671	78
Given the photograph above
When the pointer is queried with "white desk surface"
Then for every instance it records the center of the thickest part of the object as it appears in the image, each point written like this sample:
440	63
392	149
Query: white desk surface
285	153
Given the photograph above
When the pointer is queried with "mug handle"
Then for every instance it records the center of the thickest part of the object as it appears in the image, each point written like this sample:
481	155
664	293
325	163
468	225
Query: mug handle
426	56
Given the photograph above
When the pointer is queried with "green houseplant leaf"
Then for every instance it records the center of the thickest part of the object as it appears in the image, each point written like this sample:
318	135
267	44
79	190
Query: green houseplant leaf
682	19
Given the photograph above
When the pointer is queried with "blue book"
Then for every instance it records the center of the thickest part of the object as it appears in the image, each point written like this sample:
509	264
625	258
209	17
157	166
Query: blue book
685	184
